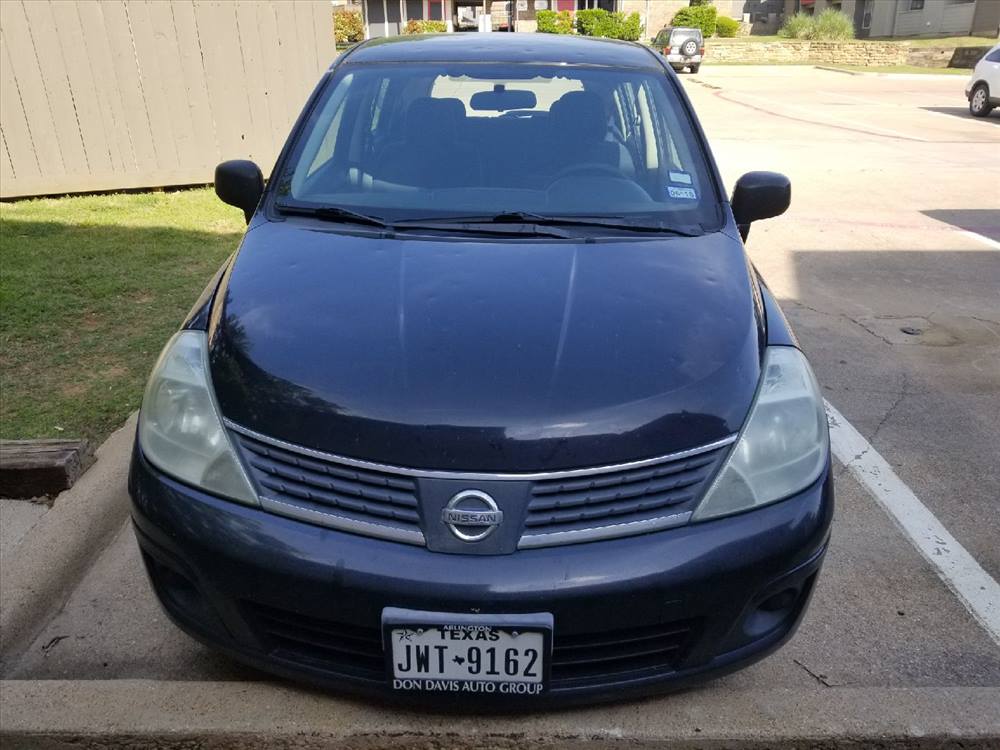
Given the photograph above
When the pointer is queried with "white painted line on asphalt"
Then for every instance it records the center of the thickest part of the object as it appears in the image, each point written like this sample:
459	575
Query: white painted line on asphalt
980	238
974	587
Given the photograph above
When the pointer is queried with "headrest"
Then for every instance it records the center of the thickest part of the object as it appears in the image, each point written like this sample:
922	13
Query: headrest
429	117
581	113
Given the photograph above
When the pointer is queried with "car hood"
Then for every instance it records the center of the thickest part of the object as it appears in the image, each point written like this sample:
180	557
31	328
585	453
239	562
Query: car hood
493	355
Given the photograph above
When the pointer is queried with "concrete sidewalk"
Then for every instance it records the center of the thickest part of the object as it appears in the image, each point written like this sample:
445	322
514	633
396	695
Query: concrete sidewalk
120	713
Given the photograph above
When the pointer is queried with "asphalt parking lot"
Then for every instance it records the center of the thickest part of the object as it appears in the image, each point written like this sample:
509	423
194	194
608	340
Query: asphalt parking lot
888	266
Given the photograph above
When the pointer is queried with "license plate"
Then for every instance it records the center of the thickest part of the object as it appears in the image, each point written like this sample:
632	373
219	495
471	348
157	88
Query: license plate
442	652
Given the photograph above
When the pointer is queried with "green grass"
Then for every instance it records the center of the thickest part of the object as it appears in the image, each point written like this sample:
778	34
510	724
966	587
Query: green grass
91	287
945	41
901	69
751	38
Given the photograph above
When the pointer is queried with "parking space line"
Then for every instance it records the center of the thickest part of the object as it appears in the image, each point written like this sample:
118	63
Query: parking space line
980	238
827	122
966	578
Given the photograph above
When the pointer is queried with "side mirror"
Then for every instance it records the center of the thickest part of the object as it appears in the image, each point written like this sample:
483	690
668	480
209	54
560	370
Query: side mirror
239	183
760	195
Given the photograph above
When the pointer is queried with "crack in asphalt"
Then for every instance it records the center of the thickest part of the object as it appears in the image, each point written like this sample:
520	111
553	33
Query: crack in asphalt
843	316
819	677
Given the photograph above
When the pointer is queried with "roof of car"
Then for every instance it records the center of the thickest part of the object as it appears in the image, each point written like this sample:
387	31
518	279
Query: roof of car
503	47
672	29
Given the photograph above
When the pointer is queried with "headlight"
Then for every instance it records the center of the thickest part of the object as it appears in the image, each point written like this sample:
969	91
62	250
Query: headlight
180	431
784	445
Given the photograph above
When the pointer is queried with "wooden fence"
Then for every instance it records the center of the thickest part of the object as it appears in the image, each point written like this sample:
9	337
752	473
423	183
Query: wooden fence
113	94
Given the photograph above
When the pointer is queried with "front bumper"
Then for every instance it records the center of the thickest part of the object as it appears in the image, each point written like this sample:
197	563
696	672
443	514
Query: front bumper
647	613
675	59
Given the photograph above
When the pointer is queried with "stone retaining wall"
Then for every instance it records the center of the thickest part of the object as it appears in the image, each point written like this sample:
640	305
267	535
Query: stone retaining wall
807	52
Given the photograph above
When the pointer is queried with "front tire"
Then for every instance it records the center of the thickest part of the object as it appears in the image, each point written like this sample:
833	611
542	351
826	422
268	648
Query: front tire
979	101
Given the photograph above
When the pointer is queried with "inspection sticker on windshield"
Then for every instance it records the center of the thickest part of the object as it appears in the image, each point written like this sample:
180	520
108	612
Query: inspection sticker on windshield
682	177
679	192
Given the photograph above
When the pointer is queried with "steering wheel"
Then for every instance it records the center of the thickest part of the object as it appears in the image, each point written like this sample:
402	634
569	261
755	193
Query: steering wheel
587	167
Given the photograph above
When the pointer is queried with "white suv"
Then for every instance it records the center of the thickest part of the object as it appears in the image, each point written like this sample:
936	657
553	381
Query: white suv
983	88
683	47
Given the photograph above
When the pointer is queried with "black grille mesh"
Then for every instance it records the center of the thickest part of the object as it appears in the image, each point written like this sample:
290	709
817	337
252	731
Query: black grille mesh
577	660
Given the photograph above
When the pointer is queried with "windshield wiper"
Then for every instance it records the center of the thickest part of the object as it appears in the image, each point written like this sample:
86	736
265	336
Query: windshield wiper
477	226
333	213
526	217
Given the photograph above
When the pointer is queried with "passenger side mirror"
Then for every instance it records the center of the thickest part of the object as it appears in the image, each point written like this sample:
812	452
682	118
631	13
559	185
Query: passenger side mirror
239	183
760	195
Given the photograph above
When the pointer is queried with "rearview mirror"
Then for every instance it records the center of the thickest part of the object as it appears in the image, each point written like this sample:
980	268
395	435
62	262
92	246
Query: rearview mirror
502	99
760	195
239	183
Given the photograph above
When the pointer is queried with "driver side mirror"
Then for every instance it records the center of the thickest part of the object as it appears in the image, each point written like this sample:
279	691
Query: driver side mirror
760	195
239	183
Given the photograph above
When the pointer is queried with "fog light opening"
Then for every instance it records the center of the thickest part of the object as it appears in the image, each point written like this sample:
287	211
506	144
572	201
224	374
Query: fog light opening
782	600
177	592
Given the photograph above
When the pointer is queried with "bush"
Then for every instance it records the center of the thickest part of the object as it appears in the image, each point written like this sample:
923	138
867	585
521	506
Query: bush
833	25
631	28
592	22
829	25
799	26
415	26
726	27
551	22
348	27
599	22
697	17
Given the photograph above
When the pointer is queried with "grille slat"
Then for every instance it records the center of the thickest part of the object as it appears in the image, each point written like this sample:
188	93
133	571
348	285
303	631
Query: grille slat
576	659
563	507
618	492
328	498
619	478
618	501
334	494
314	479
338	647
605	511
344	472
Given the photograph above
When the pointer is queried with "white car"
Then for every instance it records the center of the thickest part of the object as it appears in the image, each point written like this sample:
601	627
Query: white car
983	88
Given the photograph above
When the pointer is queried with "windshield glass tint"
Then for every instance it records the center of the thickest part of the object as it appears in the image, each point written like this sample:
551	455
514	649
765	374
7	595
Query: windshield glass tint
446	140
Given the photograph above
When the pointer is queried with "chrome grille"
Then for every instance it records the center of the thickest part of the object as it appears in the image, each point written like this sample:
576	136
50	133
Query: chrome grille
561	507
620	501
334	494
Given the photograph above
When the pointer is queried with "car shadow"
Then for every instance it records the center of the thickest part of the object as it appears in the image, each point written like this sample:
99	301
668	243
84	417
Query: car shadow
963	112
984	221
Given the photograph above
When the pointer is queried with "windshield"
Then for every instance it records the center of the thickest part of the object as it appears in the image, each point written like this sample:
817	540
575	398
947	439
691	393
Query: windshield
449	140
677	37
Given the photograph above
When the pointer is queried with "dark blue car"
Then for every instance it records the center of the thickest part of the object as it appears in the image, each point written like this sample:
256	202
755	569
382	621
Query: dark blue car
490	407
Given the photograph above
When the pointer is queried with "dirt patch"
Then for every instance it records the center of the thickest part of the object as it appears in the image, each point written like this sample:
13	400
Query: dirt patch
91	322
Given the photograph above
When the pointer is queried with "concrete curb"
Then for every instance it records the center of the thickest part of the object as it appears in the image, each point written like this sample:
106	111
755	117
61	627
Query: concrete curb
891	76
54	555
143	713
841	70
